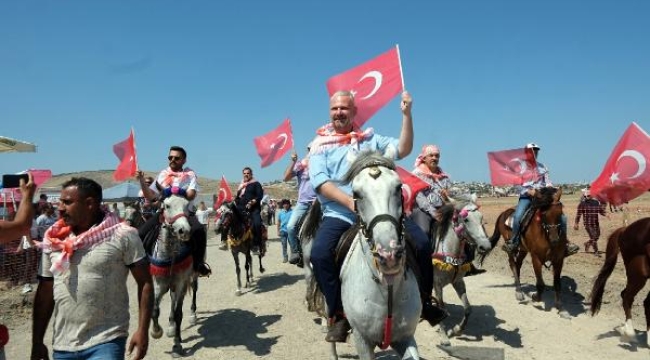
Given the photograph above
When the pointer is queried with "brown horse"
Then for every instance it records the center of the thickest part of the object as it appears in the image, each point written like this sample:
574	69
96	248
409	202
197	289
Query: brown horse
541	236
633	242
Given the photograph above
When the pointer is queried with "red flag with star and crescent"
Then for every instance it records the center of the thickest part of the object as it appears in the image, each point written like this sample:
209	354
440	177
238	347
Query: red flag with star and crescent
626	174
511	167
273	145
225	194
411	185
374	84
125	151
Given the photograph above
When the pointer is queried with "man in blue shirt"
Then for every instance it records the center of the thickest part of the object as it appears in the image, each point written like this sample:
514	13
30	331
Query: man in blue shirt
332	152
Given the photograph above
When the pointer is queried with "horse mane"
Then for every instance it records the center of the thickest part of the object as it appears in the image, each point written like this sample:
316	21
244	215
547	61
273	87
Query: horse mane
312	221
544	198
366	159
447	214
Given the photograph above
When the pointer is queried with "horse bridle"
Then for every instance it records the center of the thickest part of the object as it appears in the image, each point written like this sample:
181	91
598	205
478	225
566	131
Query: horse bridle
548	227
367	228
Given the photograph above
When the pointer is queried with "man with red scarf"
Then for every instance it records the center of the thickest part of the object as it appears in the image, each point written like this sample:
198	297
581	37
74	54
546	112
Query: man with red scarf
332	152
430	200
177	180
87	257
248	199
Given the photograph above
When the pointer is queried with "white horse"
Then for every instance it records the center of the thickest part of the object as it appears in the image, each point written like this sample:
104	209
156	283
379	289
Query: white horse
379	293
461	223
171	268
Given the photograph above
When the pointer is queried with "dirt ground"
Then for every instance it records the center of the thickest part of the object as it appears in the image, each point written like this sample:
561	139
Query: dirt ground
270	320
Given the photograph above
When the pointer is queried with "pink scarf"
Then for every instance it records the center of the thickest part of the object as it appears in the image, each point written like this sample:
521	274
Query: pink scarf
59	238
423	169
171	175
327	138
242	186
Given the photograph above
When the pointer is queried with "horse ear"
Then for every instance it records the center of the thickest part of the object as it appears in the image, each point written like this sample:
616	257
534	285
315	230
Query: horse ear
558	194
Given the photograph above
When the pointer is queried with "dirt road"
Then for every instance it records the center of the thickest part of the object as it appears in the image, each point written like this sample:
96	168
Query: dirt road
270	321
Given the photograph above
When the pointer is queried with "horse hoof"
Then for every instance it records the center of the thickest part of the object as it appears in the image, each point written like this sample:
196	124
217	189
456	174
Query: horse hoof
238	292
536	298
565	315
262	270
177	351
156	333
192	319
519	296
445	342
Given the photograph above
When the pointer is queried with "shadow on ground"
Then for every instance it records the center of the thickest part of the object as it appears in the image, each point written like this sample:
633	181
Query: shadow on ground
218	331
483	322
275	281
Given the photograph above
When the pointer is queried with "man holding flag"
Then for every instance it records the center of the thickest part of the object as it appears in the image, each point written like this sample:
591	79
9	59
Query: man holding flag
181	181
539	179
332	152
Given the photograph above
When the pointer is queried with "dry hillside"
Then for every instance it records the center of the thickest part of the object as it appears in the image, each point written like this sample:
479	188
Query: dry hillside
208	186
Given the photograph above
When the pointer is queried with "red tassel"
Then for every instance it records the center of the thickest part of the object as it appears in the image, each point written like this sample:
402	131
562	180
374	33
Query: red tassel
388	327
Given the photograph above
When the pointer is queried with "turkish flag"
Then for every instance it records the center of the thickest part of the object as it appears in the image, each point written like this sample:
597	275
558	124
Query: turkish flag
272	146
125	151
225	195
411	185
374	84
511	167
626	174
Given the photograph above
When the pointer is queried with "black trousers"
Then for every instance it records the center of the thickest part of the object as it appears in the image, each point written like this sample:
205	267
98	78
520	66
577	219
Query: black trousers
198	236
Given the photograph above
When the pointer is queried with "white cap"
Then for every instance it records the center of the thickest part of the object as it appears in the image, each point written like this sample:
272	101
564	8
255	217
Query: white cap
532	146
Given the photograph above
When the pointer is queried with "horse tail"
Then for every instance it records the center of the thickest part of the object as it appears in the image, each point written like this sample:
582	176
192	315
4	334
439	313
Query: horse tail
496	235
310	224
608	266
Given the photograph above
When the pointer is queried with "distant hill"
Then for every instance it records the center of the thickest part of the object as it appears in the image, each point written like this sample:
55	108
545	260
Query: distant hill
276	189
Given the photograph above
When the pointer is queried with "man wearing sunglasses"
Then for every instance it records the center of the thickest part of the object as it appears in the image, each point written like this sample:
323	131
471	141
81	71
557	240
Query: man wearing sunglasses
178	180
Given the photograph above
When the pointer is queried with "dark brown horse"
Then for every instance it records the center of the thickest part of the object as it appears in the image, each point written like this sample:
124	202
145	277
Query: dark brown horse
541	236
633	242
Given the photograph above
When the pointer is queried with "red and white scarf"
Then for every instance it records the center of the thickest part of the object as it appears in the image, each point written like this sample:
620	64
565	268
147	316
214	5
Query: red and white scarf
423	170
175	177
328	138
242	186
59	237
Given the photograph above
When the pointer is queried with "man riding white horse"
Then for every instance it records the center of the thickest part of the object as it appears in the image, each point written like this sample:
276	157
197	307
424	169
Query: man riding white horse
430	200
178	181
332	153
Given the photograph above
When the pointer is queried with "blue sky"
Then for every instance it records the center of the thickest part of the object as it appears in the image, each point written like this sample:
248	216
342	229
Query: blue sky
75	76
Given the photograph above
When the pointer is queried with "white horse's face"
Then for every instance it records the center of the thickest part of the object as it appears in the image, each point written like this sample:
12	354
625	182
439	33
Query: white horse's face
175	213
378	194
472	220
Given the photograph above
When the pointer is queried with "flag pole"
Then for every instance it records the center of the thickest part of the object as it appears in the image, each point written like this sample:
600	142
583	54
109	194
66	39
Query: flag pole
399	60
135	150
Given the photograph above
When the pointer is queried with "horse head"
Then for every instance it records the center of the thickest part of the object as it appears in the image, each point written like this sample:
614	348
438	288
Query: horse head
175	216
132	215
377	193
468	223
549	212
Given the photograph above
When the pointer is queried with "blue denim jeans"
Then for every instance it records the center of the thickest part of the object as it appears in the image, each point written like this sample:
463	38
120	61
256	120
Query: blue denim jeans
283	241
292	227
112	350
522	205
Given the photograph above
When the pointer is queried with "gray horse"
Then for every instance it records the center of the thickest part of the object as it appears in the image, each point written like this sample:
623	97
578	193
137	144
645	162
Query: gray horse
379	292
171	268
461	222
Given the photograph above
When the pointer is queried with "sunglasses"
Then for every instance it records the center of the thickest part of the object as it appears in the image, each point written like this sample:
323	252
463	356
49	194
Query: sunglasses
170	158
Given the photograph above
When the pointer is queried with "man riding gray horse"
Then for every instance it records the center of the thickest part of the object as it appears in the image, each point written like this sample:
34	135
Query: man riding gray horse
332	153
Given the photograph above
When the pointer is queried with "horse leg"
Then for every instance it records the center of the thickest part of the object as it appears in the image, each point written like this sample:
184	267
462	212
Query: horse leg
262	269
248	266
365	350
539	284
195	288
646	308
515	267
407	349
178	297
635	282
235	256
557	286
171	324
440	279
461	291
156	330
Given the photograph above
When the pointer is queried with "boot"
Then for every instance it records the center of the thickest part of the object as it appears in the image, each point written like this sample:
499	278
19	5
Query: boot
338	329
586	244
473	270
595	244
433	314
295	258
571	249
